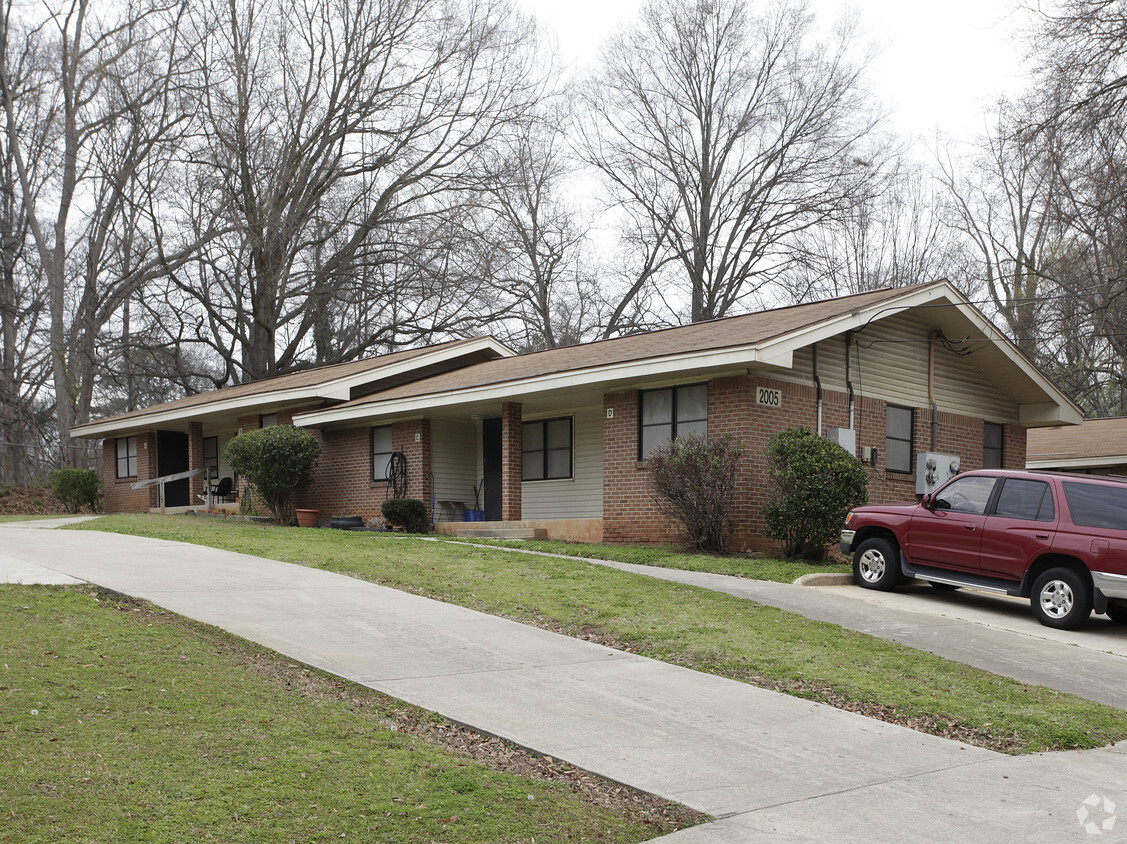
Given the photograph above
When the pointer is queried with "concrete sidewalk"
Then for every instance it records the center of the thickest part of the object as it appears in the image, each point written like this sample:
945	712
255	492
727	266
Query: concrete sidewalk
763	763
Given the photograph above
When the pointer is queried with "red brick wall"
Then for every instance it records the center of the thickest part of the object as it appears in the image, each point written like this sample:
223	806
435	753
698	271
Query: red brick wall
630	513
343	485
119	498
511	463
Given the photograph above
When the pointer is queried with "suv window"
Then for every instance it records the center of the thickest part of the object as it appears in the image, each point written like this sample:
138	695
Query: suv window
966	495
1022	499
1096	505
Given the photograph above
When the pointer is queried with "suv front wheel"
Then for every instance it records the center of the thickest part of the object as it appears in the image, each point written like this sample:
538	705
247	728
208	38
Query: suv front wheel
876	565
1061	598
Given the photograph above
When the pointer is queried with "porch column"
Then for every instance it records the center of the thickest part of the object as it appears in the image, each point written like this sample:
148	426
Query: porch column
511	468
195	461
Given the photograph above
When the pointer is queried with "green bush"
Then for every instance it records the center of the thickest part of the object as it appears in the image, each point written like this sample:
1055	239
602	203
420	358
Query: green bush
815	483
695	482
277	461
410	513
77	488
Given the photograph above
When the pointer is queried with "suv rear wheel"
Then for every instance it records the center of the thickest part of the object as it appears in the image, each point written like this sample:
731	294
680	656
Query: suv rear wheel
876	565
1061	598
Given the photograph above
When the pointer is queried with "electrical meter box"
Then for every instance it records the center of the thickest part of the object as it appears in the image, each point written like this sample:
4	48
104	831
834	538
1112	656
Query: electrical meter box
933	470
845	437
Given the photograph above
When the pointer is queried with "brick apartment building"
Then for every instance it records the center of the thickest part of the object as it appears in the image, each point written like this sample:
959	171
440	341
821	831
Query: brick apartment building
557	439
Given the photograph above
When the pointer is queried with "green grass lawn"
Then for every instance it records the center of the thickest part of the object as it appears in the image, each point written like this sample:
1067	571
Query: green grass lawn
698	628
756	567
121	722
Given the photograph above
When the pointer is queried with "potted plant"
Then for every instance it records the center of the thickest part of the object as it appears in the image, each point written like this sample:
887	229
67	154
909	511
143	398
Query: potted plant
306	518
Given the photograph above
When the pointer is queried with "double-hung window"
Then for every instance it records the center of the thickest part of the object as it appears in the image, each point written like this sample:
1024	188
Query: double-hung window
126	457
993	436
267	420
898	439
381	452
546	449
671	412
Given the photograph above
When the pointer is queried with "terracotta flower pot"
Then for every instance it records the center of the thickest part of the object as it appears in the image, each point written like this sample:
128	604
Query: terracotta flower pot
306	518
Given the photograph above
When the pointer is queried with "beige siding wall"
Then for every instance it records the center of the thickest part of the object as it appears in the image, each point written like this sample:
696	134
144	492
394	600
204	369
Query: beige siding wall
890	363
454	459
581	496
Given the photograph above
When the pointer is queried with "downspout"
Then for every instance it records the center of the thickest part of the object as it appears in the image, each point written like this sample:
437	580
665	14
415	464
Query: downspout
818	384
849	375
931	394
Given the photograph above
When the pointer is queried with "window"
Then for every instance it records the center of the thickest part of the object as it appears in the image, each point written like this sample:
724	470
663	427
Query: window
993	436
546	449
898	439
966	495
670	413
126	457
381	452
1029	500
267	420
211	456
1097	505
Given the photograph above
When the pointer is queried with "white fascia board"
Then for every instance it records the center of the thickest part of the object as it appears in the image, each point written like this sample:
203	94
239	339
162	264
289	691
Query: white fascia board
1076	462
742	356
339	389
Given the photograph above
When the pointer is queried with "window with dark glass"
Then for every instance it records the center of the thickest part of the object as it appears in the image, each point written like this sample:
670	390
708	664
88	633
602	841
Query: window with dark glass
381	452
670	413
1097	505
126	457
898	439
267	420
1022	499
211	456
993	435
546	449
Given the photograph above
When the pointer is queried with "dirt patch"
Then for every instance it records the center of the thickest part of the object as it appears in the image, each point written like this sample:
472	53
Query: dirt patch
29	501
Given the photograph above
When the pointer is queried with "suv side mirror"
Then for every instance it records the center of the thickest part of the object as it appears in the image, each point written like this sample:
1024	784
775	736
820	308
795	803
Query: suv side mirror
926	501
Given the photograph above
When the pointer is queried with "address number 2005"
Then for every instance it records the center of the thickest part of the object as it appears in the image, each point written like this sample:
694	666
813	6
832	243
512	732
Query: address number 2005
769	397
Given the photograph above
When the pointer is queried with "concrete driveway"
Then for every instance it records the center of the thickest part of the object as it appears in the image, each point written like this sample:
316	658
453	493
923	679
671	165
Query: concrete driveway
765	765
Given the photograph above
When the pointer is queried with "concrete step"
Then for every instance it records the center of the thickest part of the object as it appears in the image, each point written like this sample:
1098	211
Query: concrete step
501	533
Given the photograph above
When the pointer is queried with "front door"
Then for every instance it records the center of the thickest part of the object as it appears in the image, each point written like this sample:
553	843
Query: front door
172	457
949	533
491	467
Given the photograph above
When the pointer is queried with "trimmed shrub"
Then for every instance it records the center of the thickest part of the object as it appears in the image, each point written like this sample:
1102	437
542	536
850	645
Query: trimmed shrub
277	461
815	483
77	488
408	513
695	483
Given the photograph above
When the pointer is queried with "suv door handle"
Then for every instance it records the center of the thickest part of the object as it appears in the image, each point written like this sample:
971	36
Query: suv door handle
969	527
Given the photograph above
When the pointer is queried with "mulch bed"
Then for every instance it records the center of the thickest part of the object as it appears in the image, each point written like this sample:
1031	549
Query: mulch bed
29	501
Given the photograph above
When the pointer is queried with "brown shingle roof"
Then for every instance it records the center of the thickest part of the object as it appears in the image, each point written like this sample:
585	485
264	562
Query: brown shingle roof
309	379
1091	439
730	332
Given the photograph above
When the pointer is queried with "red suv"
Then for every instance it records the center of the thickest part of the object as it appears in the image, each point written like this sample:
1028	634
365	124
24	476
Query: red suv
1059	540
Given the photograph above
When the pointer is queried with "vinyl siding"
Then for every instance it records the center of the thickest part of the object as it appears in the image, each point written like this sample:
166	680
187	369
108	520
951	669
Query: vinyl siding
454	459
890	363
581	496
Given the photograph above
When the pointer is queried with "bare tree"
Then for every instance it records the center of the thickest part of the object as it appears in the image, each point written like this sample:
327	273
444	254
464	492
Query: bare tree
105	88
722	134
338	139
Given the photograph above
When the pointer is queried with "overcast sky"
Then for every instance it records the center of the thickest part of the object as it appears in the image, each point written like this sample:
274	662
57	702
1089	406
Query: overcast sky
940	64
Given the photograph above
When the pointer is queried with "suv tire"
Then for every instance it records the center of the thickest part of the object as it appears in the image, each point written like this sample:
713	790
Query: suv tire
876	565
1061	598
